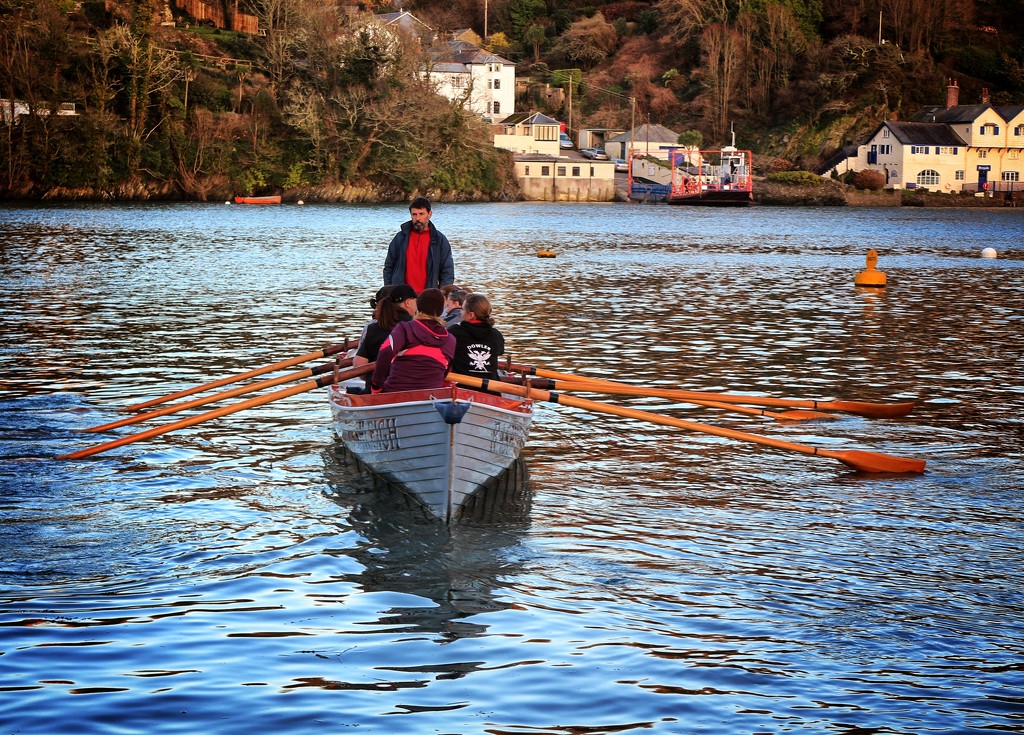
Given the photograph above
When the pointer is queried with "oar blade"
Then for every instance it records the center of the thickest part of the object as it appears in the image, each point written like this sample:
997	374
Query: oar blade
875	462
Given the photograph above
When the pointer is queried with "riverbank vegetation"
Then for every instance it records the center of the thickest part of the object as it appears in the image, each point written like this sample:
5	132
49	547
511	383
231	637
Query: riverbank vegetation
321	104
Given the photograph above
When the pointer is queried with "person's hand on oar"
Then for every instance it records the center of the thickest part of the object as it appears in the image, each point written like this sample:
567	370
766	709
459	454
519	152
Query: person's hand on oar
860	460
860	408
320	382
242	390
325	352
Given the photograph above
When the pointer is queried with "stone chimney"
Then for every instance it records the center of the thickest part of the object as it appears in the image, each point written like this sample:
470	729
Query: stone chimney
952	94
985	99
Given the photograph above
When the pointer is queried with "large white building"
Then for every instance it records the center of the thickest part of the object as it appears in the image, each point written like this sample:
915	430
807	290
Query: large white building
956	148
484	82
460	70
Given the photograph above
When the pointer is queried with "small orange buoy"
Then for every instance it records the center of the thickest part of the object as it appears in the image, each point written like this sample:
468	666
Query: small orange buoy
545	254
870	277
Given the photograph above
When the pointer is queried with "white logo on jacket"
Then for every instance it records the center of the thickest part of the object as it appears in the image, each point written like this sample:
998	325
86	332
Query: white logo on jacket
479	356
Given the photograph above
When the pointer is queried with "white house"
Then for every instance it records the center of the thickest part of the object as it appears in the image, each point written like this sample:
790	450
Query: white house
484	82
972	148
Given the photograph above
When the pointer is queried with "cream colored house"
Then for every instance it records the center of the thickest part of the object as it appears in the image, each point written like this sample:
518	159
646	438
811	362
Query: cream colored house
554	179
529	132
958	148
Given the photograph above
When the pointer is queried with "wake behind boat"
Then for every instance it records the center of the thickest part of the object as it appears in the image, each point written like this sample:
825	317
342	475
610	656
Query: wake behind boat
439	445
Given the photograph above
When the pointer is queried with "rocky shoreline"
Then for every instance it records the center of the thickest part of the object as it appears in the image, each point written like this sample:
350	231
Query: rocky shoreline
828	193
831	193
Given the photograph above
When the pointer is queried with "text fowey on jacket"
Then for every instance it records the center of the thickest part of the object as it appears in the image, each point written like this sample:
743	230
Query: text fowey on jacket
440	265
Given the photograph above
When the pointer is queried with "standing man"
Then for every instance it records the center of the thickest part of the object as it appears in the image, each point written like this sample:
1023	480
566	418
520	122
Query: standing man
419	255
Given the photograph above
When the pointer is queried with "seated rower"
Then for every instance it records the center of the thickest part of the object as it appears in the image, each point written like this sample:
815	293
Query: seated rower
417	354
395	306
453	307
477	343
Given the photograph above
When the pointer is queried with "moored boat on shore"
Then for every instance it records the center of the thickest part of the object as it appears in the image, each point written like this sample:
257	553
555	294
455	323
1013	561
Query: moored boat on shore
439	445
270	199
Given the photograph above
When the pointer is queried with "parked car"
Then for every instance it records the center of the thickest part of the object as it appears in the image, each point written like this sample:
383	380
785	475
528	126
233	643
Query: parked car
594	153
620	164
564	141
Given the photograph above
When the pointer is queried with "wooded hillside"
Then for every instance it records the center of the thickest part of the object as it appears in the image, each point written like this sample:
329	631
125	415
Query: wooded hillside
319	102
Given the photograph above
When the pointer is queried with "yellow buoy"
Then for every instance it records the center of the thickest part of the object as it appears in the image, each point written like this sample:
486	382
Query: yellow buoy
871	277
545	254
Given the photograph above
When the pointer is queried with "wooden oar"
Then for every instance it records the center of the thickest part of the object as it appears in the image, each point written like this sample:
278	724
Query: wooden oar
325	352
242	390
595	385
861	408
860	460
320	382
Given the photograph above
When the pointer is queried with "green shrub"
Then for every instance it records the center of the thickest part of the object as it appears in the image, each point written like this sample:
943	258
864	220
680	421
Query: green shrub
795	178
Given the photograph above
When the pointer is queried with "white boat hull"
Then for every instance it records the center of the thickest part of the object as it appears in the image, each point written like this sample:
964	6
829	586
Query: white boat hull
403	438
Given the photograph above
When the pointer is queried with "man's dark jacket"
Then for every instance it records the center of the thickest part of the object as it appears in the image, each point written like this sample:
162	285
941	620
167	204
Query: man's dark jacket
440	266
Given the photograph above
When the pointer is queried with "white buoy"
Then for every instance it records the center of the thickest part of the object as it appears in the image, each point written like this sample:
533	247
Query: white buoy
228	202
300	202
989	253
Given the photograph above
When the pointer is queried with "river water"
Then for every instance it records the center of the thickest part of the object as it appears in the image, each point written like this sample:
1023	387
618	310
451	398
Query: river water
240	576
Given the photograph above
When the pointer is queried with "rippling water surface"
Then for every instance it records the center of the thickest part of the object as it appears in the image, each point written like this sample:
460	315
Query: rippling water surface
239	576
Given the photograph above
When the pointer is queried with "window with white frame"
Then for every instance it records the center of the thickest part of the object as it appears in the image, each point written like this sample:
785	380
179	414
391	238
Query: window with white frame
949	150
885	149
497	84
928	177
959	175
990	129
1013	155
885	132
1019	130
919	149
561	170
496	107
982	153
1011	175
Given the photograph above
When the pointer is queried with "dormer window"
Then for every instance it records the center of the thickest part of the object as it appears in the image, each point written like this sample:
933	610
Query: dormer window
990	129
885	132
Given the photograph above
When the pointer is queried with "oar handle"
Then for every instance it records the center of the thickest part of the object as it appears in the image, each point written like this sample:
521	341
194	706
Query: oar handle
325	352
320	382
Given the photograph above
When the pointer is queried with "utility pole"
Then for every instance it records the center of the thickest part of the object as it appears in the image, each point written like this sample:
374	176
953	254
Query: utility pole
632	126
485	21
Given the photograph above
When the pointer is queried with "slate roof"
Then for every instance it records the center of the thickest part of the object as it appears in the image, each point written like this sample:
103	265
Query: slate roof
653	133
964	113
463	52
529	118
923	133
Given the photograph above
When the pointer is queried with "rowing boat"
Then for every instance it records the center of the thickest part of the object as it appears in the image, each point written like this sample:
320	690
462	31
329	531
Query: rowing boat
438	445
270	199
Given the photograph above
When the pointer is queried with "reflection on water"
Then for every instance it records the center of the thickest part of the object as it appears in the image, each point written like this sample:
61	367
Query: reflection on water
242	575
